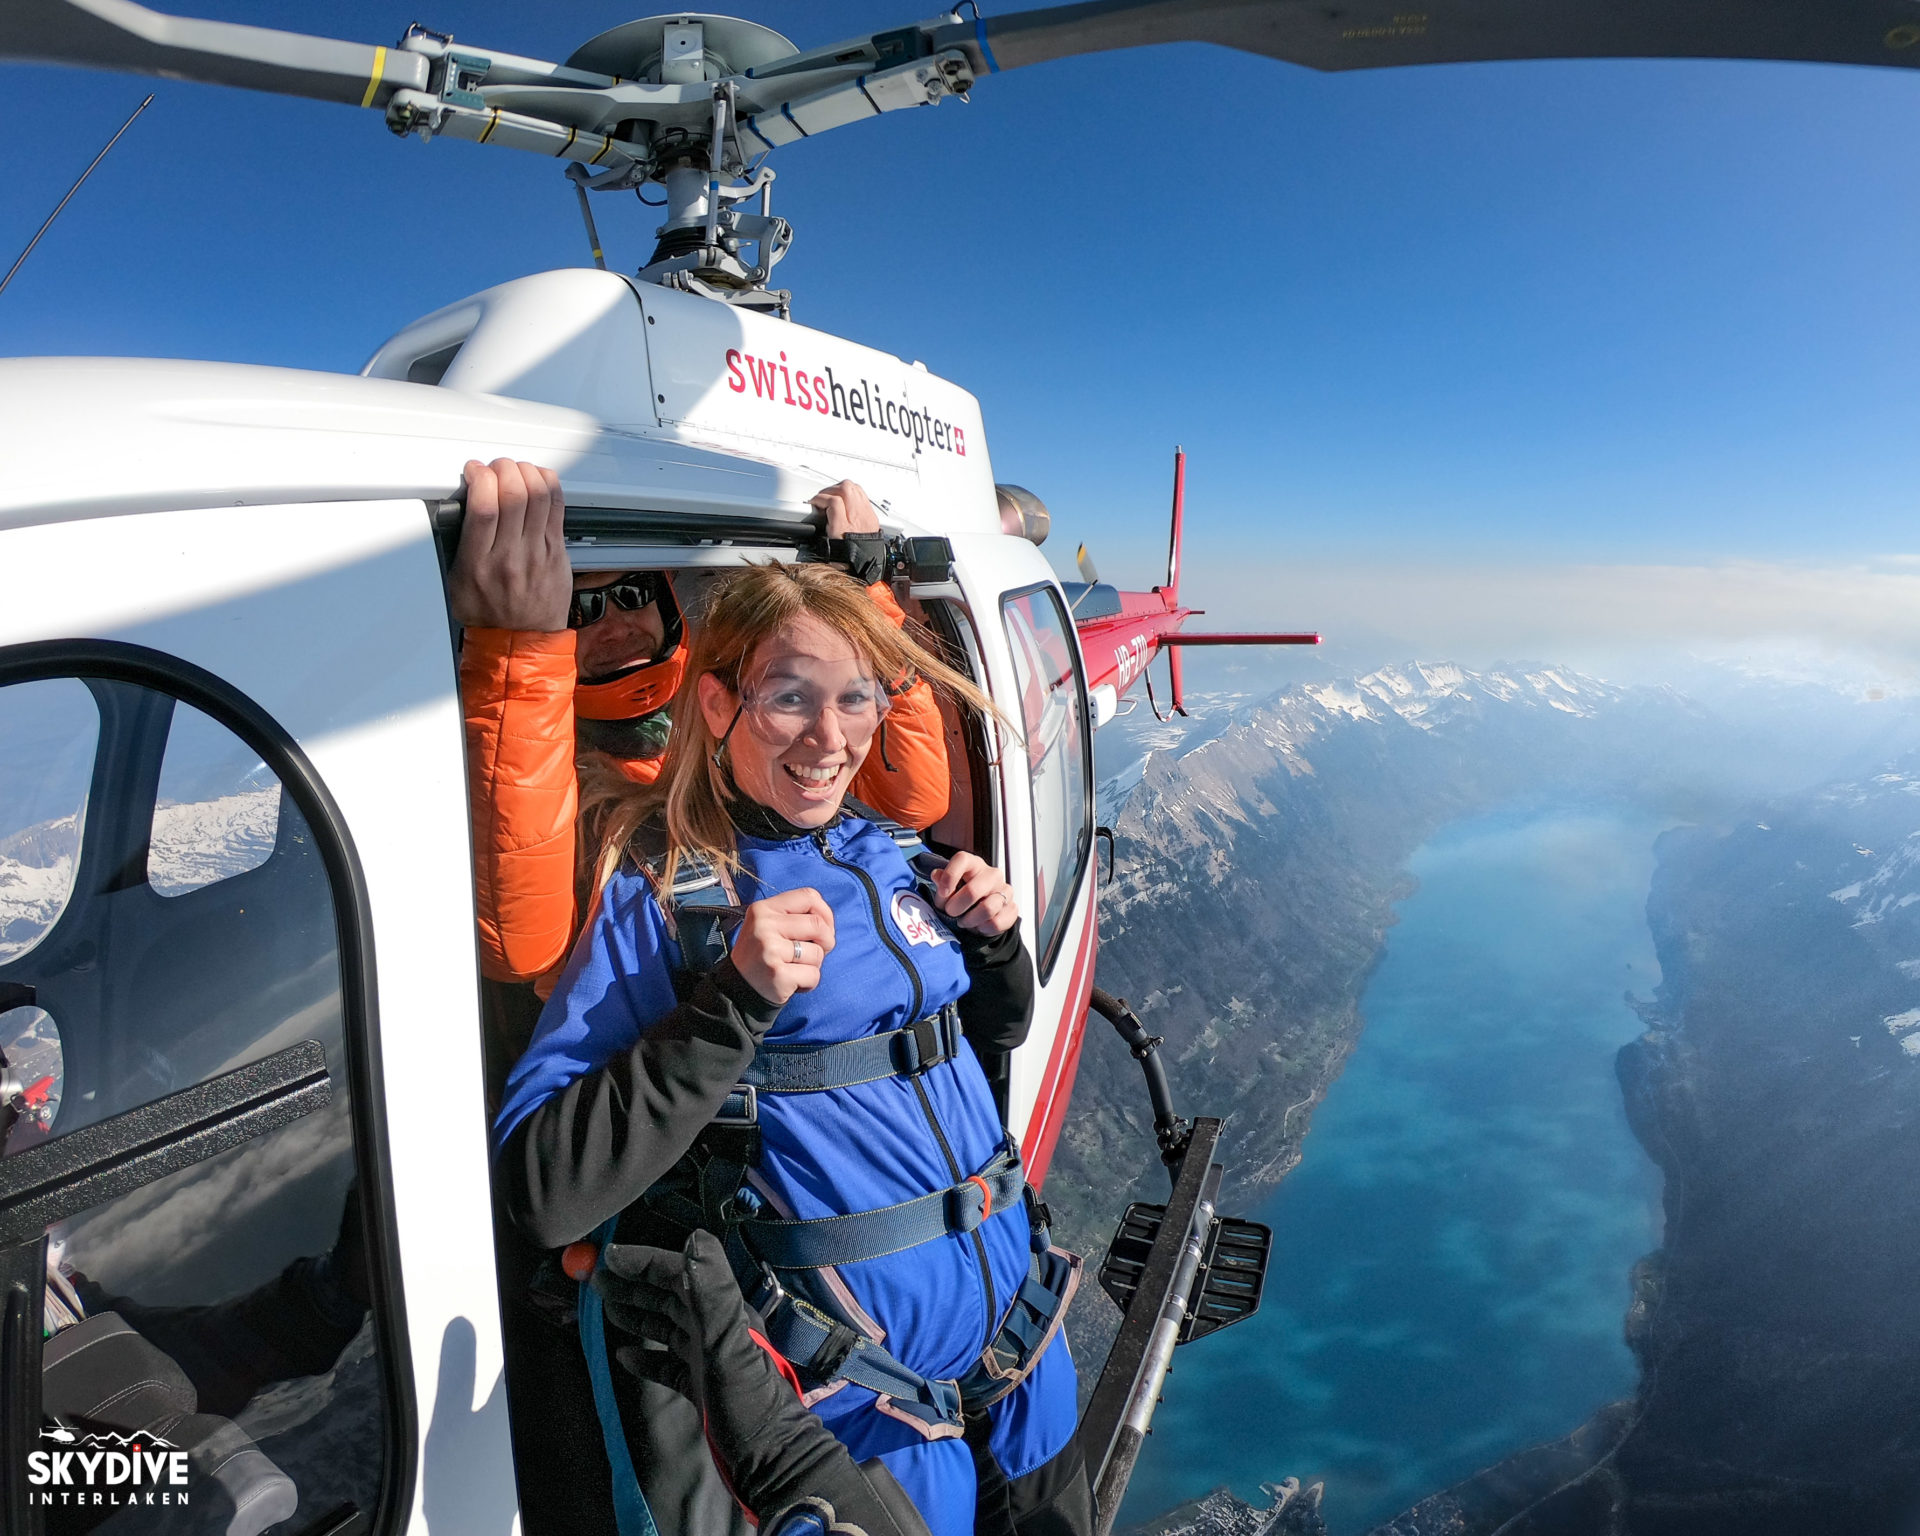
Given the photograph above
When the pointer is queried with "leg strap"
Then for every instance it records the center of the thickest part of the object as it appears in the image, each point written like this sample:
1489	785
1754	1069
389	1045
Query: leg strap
1038	1309
824	1349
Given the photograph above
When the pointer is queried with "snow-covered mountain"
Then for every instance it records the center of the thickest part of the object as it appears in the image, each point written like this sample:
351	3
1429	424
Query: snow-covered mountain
36	875
1126	742
198	842
195	843
1506	731
1429	694
1424	695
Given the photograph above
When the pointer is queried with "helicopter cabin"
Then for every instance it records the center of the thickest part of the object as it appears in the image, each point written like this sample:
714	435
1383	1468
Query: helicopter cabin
244	1098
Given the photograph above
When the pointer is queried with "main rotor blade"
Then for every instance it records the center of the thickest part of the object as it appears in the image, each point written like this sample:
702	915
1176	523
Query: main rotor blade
1374	34
116	34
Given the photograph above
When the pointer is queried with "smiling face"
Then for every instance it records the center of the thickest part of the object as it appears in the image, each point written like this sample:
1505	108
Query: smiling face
621	637
808	712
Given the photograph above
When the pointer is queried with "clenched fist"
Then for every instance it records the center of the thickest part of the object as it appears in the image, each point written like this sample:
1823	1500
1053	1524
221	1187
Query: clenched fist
975	894
782	941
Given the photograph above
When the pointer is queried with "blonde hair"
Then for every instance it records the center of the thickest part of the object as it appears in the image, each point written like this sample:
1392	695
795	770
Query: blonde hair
743	611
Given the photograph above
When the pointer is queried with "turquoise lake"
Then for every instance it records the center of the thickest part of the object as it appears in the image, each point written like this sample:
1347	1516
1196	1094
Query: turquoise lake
1450	1259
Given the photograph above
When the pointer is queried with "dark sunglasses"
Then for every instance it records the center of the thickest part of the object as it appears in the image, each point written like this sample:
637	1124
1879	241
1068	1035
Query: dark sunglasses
632	591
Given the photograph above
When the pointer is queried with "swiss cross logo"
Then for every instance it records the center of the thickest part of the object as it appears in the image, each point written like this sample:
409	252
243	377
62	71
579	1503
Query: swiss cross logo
916	920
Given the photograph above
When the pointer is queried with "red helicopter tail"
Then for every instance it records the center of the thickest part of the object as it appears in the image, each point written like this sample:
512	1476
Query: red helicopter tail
1121	632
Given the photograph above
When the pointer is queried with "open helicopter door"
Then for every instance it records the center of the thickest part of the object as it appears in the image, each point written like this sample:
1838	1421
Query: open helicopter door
1033	668
243	1184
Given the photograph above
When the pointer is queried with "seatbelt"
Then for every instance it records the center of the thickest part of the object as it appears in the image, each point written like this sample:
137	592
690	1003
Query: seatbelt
631	1516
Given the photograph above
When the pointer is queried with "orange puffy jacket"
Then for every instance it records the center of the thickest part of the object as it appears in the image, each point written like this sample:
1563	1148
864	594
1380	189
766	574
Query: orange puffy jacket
516	688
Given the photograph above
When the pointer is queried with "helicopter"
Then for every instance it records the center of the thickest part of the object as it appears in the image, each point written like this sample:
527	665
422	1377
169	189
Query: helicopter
243	1037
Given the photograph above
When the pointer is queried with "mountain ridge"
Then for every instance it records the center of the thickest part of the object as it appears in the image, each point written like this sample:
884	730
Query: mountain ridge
1258	862
1259	859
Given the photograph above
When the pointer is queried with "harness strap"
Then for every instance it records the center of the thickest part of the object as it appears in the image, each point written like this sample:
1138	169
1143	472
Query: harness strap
826	1349
834	1240
1032	1318
908	841
905	1052
630	1513
702	910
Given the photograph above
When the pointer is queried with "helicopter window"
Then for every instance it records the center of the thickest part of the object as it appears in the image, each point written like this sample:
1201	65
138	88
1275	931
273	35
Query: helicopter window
31	1077
1053	713
50	728
226	1275
217	811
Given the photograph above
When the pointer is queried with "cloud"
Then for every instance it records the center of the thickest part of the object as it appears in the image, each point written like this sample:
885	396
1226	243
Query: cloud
1480	611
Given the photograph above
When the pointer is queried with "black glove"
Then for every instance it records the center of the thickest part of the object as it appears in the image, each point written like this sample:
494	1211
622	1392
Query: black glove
773	1453
863	554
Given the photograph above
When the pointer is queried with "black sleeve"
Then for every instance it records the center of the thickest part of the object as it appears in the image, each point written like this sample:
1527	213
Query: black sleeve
997	1011
592	1149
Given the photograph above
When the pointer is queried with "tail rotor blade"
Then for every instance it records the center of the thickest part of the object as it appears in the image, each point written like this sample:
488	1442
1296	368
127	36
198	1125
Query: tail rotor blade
1179	517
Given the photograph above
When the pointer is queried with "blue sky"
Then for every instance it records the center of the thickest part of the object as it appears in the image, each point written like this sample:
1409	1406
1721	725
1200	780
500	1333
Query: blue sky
1566	316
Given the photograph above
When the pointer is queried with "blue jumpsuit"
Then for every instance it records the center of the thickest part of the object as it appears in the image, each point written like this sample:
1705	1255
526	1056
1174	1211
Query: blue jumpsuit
846	1149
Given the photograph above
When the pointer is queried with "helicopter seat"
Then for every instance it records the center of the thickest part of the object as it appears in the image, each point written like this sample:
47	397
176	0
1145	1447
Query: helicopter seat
103	1375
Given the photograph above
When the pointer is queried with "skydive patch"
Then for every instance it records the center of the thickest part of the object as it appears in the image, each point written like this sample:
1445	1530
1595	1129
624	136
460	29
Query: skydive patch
917	922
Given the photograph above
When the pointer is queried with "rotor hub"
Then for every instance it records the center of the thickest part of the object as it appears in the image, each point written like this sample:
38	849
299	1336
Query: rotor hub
681	49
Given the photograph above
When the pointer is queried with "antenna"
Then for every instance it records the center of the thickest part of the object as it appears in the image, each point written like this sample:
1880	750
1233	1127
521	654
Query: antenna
22	260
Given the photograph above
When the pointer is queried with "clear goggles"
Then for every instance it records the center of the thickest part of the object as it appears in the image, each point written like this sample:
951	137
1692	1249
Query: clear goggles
790	696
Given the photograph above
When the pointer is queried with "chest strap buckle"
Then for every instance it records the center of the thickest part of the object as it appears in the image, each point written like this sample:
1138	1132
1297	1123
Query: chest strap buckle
740	1108
921	1045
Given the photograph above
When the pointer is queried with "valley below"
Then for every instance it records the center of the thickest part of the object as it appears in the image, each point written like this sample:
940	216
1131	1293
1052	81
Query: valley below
1262	852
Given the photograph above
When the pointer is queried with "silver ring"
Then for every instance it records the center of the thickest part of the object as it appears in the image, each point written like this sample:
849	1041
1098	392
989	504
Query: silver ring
799	950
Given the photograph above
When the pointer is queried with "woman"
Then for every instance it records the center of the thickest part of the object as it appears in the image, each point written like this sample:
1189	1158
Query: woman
843	1139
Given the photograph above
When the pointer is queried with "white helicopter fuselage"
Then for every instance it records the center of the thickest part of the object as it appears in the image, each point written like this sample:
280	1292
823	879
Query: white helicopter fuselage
274	530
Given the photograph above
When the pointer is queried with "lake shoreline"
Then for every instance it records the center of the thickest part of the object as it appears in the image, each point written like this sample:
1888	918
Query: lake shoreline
1279	1447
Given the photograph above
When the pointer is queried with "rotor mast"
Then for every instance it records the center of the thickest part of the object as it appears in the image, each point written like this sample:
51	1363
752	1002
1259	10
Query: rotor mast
690	103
